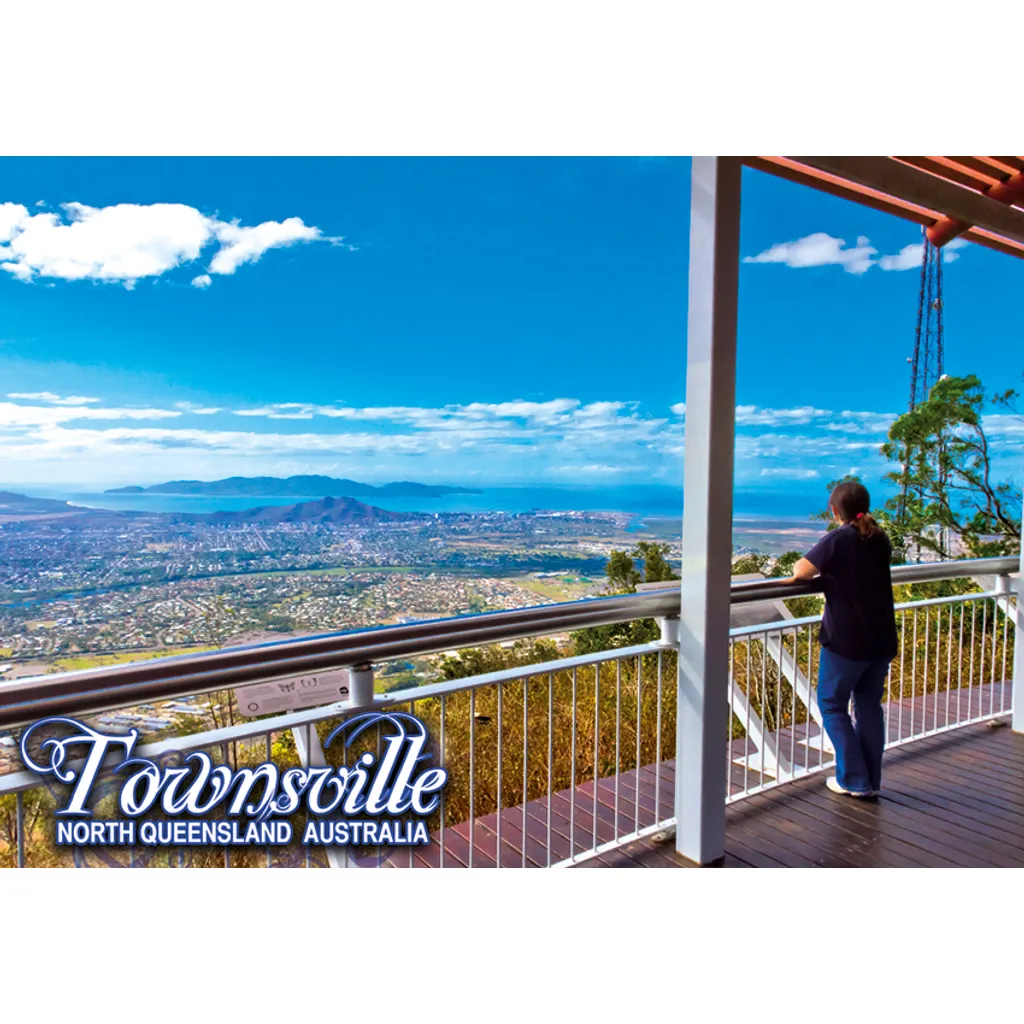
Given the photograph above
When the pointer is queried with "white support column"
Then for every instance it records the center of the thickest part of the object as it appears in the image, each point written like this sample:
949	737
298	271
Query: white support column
311	755
703	715
1018	651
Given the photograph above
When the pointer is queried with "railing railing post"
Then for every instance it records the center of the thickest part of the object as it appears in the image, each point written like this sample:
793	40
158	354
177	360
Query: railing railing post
360	686
1018	650
669	626
311	755
703	707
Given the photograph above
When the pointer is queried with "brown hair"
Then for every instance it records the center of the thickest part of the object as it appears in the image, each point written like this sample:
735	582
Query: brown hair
851	502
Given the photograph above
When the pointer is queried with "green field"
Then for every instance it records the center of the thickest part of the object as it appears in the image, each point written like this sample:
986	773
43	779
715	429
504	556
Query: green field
76	663
557	588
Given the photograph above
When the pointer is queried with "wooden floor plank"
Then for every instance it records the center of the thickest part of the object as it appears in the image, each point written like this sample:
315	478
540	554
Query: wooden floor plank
950	800
862	846
945	785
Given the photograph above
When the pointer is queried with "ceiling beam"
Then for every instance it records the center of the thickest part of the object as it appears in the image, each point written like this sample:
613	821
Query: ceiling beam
923	189
801	174
793	170
1010	192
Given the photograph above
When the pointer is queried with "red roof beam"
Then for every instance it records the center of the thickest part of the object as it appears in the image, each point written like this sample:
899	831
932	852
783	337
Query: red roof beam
945	229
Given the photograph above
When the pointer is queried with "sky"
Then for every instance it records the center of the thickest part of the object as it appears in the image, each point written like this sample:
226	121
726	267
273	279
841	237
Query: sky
465	321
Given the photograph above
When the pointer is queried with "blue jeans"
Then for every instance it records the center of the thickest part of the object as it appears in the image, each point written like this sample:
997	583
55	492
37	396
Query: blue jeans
859	744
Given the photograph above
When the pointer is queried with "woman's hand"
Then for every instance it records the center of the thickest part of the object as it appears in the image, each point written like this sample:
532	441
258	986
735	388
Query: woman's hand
803	570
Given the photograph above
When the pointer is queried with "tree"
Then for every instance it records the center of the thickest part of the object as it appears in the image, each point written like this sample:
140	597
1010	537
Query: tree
750	563
950	502
783	565
623	577
656	569
622	573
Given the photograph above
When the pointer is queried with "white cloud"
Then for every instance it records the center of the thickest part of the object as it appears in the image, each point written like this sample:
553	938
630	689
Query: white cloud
557	438
37	415
906	259
909	257
477	418
791	473
819	250
11	217
679	409
1001	425
597	469
281	411
246	245
49	396
127	242
197	410
949	253
754	416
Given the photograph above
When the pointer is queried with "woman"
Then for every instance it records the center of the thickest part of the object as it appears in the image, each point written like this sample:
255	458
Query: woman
858	637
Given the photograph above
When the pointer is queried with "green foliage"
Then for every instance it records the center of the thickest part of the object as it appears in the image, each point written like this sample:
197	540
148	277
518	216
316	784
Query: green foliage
623	577
656	569
784	564
751	563
622	573
278	623
477	660
618	634
945	475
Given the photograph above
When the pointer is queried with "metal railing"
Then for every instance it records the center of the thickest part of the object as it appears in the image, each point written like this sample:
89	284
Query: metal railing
951	670
94	690
552	763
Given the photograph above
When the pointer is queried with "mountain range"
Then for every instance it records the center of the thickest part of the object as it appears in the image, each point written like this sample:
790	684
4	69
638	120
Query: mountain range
340	511
22	504
293	486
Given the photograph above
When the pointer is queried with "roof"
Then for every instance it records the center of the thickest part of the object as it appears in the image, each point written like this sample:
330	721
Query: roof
980	198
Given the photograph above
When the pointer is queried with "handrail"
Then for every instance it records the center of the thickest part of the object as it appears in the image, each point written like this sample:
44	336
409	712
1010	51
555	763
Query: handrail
93	690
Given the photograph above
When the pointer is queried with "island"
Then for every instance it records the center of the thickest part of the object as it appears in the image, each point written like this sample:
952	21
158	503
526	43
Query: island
293	486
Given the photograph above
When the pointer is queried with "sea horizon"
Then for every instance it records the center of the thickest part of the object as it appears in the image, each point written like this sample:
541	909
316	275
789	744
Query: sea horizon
648	501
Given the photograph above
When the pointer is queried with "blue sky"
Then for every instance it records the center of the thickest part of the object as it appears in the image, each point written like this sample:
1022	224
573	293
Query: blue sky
469	321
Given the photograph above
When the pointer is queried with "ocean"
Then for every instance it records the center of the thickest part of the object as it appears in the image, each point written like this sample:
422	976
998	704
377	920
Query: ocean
772	521
659	502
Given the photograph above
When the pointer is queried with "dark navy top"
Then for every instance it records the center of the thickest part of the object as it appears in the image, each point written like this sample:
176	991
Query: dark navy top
859	621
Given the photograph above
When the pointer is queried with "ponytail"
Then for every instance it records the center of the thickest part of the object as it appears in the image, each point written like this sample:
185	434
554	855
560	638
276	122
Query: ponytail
851	502
864	523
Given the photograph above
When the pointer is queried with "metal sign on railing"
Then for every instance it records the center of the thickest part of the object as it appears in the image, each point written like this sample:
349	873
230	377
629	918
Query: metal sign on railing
292	694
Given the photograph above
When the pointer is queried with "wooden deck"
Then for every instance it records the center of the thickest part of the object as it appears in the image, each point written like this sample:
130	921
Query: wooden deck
954	800
950	800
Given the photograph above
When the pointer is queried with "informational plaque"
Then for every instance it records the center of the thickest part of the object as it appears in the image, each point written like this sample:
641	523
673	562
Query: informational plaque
293	694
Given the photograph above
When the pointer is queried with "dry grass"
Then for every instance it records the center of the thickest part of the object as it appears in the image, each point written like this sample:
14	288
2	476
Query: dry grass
619	723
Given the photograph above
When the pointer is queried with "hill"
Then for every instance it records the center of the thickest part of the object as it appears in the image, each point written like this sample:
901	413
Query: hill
339	511
292	486
22	504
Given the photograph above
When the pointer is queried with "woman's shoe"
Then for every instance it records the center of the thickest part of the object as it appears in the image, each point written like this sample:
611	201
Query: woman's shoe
833	784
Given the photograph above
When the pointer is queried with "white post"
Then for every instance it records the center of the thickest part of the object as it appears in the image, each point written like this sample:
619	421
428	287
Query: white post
360	686
311	755
1018	650
703	715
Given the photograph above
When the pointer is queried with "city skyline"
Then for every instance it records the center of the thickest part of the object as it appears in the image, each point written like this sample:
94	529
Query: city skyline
485	322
